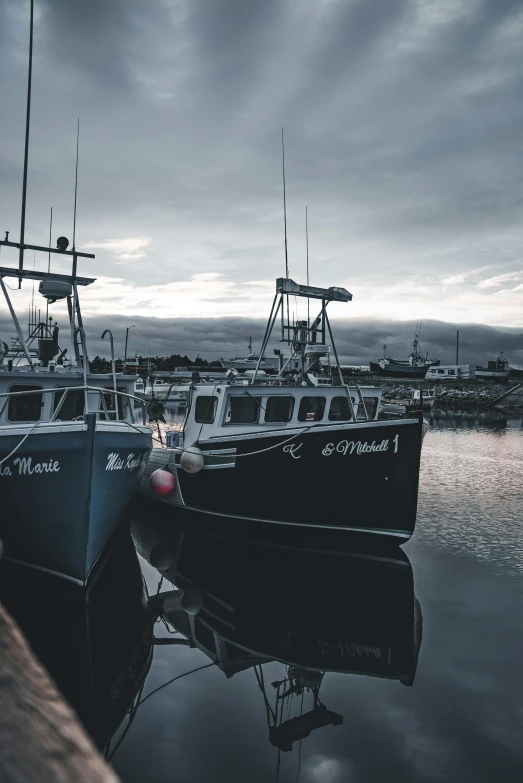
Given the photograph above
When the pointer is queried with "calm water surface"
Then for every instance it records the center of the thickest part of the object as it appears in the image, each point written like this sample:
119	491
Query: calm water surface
390	666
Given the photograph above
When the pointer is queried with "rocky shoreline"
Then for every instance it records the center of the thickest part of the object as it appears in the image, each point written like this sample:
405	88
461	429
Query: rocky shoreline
458	397
464	400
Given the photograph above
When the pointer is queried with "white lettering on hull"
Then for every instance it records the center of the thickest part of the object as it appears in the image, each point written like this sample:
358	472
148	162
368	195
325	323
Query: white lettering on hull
116	461
292	449
24	466
359	447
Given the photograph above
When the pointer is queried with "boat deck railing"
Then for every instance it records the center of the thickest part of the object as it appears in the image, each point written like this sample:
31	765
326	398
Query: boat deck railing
64	391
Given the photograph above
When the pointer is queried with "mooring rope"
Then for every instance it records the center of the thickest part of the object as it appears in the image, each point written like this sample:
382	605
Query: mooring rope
21	442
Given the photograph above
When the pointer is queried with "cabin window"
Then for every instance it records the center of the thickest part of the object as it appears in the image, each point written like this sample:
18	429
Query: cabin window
73	406
279	409
441	372
339	409
371	405
109	403
452	372
243	410
311	409
26	407
205	409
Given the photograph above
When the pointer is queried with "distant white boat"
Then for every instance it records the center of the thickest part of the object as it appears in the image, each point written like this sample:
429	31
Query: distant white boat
498	368
250	362
429	398
168	392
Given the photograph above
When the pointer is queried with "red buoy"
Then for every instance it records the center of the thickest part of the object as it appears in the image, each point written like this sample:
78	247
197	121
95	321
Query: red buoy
162	481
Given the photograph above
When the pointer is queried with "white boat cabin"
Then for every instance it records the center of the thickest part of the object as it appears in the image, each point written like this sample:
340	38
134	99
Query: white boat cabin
222	410
57	394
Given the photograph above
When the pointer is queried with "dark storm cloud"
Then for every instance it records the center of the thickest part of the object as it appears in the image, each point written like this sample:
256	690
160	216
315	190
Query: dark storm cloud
357	341
402	124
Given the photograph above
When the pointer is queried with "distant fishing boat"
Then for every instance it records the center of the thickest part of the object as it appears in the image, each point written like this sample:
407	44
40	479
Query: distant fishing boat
415	366
498	369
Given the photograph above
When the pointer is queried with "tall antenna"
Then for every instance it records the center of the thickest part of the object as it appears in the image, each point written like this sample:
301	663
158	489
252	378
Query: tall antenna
285	224
307	242
26	152
284	206
76	183
49	261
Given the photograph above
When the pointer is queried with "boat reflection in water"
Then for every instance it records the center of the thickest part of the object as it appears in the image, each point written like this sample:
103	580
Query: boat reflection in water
316	610
96	641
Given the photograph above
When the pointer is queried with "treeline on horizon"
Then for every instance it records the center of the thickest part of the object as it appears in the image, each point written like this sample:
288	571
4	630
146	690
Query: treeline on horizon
100	364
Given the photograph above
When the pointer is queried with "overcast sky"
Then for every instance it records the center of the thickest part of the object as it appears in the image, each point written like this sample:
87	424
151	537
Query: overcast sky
403	129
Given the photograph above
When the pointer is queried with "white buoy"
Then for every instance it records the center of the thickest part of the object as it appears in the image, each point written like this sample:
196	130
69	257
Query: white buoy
172	601
192	460
191	601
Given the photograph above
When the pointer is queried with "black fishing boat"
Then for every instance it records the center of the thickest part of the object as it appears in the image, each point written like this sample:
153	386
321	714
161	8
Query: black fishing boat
415	366
304	449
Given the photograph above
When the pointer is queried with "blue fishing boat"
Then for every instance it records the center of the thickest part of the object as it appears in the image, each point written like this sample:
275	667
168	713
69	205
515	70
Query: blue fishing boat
70	452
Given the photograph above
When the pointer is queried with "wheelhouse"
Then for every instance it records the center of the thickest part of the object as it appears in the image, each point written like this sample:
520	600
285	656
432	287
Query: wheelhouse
223	410
32	396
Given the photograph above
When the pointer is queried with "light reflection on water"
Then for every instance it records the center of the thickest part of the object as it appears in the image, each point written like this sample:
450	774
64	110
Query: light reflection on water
462	718
470	494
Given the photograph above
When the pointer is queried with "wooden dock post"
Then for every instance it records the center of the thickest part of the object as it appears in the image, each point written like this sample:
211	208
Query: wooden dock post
41	738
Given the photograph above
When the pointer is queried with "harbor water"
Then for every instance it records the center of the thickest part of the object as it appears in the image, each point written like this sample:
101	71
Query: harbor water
422	677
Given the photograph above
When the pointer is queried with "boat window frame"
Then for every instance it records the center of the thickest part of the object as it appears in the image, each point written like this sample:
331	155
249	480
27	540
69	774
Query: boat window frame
340	397
365	411
55	402
33	387
312	397
292	406
228	409
215	403
124	407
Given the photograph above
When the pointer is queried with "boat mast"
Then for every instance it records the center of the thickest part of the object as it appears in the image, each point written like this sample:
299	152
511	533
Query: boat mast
285	218
26	151
49	262
307	244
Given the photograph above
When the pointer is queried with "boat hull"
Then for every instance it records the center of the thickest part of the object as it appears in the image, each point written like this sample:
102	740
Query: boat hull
500	375
401	371
321	477
65	492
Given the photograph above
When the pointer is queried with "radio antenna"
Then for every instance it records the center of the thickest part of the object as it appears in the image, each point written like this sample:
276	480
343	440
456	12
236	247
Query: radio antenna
49	261
76	183
284	206
50	239
285	223
307	242
26	152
